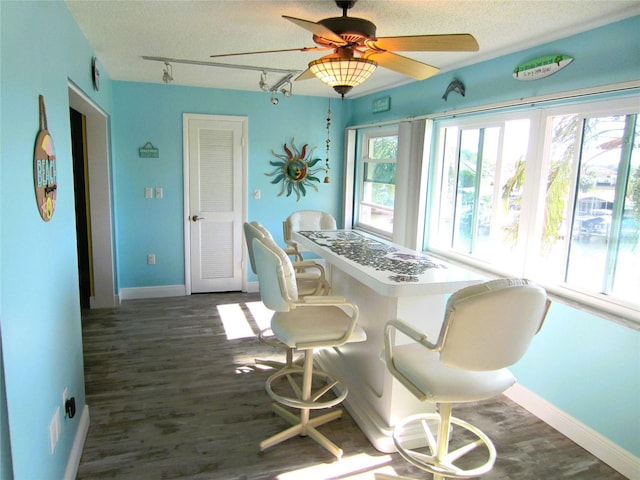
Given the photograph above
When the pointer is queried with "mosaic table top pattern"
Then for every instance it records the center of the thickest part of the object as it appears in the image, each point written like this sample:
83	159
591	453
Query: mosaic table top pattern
403	265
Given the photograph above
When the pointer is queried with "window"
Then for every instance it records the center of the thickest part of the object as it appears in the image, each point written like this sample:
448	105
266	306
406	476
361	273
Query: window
598	156
480	164
551	194
377	181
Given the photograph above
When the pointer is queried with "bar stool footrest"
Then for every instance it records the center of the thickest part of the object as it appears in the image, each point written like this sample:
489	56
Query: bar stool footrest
291	378
417	443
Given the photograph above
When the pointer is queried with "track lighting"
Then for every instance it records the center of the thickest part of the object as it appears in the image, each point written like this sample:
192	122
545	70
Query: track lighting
167	74
289	92
264	86
281	86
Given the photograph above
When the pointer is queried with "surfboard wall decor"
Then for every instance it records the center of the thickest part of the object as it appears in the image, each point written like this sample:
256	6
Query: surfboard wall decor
541	67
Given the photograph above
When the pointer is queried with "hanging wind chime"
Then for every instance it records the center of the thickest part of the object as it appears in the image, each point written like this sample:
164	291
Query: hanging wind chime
326	178
295	168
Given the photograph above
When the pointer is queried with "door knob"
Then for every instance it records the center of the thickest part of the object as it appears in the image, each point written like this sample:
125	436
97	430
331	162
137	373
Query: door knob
196	218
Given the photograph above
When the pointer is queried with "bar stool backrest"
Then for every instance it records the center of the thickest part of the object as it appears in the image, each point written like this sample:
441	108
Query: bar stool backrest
489	326
276	276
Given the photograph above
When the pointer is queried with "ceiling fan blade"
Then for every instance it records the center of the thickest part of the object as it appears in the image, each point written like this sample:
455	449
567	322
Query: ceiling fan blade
456	42
306	75
398	63
317	29
303	49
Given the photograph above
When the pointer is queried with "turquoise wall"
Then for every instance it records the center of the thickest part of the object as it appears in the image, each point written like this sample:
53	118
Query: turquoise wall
41	49
590	368
585	365
153	112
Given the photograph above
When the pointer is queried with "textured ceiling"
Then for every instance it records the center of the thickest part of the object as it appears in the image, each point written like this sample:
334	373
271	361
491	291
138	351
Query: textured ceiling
122	32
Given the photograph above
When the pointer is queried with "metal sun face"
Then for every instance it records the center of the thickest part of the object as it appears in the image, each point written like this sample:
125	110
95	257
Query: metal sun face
295	170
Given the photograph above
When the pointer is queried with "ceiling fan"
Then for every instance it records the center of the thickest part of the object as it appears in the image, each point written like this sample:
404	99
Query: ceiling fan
357	51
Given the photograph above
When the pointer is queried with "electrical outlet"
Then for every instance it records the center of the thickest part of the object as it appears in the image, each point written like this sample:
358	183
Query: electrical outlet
151	259
159	192
148	192
70	408
65	399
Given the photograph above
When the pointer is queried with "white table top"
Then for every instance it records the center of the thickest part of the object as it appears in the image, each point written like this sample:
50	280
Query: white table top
389	269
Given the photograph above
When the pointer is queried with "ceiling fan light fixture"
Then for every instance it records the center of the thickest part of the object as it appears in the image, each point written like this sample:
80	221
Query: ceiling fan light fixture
342	73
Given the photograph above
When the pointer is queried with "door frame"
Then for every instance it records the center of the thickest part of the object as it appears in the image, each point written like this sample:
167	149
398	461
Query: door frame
99	172
187	210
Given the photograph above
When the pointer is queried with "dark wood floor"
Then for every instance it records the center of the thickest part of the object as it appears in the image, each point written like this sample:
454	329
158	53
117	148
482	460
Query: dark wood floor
170	396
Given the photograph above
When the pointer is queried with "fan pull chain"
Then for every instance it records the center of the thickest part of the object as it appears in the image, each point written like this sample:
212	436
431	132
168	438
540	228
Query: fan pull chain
326	178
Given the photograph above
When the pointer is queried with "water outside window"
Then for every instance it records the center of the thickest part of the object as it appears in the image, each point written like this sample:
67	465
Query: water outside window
552	195
604	255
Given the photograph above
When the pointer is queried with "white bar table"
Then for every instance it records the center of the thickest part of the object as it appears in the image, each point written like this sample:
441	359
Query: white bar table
386	281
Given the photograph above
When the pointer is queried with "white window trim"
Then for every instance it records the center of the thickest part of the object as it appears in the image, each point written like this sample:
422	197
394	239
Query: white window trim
366	135
616	310
412	170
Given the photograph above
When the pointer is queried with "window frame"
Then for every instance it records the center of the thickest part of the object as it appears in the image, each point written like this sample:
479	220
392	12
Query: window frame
364	136
529	197
530	232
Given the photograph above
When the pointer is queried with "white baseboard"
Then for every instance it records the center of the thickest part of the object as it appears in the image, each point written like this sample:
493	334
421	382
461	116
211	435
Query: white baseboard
152	292
78	445
597	444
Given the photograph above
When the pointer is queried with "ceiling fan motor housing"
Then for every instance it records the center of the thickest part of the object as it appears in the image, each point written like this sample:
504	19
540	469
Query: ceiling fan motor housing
352	30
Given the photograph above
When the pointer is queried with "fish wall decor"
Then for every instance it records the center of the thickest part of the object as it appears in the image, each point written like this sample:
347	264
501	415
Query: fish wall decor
455	86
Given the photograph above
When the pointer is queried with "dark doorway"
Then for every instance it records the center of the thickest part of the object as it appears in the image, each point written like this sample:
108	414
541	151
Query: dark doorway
81	188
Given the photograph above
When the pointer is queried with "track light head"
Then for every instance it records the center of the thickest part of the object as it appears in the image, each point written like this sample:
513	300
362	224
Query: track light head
264	86
287	92
167	73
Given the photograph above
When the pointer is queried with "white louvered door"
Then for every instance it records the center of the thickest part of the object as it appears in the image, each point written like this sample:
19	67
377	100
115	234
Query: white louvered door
216	155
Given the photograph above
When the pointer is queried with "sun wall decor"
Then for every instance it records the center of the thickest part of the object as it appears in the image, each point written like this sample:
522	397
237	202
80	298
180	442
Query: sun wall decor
294	170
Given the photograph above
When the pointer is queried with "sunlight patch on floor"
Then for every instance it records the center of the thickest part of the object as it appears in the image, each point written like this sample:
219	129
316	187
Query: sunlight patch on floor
357	467
261	314
235	322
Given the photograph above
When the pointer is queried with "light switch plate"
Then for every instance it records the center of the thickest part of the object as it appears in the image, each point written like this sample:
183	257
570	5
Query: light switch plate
54	430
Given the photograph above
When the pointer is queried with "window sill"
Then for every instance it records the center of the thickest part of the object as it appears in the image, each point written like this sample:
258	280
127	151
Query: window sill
615	312
374	231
